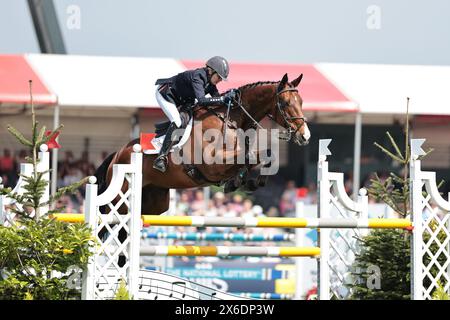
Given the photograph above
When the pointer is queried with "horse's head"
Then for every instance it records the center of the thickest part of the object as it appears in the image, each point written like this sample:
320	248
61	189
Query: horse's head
288	111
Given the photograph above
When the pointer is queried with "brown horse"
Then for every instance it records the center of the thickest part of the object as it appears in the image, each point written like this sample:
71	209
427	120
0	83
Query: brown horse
279	100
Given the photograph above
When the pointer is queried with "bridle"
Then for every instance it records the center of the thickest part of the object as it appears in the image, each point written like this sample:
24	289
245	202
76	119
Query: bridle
287	135
287	120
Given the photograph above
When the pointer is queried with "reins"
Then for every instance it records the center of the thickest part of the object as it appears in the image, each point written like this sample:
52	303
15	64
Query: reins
237	102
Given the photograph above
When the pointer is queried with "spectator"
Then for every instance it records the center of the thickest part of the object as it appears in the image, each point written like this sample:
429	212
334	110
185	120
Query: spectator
311	195
247	209
21	158
273	212
236	204
212	210
86	167
288	200
182	205
73	175
348	183
229	211
199	202
8	168
258	211
7	161
64	166
219	199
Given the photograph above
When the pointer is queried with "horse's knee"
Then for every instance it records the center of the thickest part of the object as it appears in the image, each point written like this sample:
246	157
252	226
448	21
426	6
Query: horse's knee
229	186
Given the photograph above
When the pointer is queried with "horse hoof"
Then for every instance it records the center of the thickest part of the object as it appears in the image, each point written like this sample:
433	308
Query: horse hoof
261	181
237	182
229	187
251	185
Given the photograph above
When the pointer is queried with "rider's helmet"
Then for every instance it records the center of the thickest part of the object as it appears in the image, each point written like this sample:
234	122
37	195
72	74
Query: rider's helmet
219	65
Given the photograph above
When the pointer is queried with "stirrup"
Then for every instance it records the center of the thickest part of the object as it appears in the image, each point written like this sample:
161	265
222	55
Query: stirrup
160	163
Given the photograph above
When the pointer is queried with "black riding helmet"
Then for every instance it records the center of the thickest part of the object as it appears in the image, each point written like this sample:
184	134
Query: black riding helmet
219	65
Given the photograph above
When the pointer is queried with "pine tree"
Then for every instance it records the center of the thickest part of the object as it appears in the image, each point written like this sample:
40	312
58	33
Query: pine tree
389	249
35	185
36	251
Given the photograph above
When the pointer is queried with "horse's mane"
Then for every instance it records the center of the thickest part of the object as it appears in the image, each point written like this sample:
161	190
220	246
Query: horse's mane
252	85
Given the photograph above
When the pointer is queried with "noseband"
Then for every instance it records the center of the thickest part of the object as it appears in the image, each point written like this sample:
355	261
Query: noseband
288	120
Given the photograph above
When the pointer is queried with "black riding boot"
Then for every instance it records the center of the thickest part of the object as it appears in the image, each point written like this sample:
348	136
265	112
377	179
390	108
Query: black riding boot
160	163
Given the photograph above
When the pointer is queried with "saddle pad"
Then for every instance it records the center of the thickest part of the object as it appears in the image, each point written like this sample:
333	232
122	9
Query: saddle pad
152	144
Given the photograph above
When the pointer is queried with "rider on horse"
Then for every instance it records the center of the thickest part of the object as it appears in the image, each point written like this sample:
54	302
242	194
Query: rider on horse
188	88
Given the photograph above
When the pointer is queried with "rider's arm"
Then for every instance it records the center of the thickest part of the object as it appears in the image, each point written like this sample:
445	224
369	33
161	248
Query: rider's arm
213	91
198	84
214	101
199	81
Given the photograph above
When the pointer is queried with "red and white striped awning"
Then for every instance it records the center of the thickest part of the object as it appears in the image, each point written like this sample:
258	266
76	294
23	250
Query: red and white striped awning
15	73
93	81
318	93
126	82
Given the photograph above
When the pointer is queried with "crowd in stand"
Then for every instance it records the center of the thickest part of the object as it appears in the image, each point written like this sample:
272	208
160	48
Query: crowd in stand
280	201
70	170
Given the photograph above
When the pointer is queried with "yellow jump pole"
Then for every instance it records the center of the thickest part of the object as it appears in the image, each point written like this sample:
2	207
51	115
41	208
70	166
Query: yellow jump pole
200	221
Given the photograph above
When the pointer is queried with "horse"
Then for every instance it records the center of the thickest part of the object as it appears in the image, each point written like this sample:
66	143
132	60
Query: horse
278	100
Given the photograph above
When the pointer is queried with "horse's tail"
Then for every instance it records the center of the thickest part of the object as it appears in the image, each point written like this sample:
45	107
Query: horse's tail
100	173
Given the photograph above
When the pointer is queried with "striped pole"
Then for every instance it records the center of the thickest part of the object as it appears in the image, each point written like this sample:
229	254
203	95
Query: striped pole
199	221
264	295
198	236
223	251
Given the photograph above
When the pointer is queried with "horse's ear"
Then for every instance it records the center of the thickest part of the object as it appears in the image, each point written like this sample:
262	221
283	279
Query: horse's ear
296	82
283	82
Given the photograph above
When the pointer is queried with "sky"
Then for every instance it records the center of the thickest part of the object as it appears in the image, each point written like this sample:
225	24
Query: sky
282	31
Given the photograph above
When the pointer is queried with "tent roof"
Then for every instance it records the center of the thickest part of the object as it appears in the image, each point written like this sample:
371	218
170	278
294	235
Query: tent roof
318	93
96	81
15	73
103	81
384	88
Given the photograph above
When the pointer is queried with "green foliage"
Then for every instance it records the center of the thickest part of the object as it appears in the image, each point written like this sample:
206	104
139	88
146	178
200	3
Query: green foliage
394	191
35	185
36	251
440	294
122	292
388	250
36	255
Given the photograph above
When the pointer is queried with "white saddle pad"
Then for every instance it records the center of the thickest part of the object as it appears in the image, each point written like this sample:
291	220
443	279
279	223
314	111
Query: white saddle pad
157	142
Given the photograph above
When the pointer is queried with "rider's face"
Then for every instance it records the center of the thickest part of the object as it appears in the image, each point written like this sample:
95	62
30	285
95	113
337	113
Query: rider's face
215	79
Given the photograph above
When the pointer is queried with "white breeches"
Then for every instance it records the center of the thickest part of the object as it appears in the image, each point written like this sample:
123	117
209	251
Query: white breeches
169	109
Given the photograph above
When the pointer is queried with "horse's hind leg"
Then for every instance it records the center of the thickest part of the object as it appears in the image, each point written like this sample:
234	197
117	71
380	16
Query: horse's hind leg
155	200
